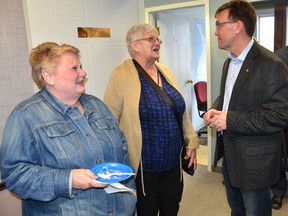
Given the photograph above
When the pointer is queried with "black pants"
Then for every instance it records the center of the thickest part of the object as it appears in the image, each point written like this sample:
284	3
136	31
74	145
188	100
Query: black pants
163	193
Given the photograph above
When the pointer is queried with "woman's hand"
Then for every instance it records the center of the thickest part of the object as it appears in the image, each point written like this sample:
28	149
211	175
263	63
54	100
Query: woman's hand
191	153
85	179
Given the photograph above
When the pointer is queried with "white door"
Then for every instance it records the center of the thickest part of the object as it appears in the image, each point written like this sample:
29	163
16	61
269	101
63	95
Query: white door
57	20
182	34
176	52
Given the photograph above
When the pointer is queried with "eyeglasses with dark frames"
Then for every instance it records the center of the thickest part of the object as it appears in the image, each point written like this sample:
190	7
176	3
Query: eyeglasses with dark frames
220	24
151	39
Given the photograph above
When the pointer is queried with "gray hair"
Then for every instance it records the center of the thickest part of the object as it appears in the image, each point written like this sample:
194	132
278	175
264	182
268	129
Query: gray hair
136	32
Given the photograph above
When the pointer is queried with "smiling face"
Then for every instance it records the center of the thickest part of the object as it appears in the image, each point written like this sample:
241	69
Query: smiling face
67	80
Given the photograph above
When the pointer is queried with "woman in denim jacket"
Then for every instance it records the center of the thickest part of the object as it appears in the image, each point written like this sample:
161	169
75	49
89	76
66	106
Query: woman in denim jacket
53	139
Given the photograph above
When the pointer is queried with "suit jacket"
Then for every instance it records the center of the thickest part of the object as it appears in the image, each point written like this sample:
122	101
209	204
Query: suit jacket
257	115
283	54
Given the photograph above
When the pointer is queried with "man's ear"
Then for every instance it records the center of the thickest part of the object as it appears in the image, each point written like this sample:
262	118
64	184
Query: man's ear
239	26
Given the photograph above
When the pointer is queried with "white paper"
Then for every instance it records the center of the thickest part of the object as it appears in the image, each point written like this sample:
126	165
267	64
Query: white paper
117	188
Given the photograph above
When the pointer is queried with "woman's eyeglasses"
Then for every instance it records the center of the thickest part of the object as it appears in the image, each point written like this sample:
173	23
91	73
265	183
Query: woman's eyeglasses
151	39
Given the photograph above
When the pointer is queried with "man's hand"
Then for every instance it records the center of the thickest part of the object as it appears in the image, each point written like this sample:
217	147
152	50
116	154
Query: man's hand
216	119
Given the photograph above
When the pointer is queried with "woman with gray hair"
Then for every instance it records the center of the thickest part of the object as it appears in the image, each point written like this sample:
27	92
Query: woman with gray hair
155	136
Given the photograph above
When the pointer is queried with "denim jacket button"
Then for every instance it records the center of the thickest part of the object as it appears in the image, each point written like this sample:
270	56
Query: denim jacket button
110	214
99	161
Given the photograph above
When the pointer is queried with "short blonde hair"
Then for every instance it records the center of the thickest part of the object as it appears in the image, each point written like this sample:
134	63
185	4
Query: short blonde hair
136	32
47	56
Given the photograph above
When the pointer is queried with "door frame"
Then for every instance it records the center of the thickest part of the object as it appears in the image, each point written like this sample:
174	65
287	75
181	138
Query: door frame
150	19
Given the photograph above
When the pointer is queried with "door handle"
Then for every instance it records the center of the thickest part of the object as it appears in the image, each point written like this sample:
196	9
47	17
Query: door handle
190	81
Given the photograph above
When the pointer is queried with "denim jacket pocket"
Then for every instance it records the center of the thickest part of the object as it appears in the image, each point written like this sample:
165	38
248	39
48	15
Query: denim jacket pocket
58	130
106	126
63	139
103	123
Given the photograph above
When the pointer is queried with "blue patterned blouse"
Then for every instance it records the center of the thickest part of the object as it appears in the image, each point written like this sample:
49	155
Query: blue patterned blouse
161	137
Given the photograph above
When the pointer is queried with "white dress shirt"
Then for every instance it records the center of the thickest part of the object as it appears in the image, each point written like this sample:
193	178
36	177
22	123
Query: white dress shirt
232	74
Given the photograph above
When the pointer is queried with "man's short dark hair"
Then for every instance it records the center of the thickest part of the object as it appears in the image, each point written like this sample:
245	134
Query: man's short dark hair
240	10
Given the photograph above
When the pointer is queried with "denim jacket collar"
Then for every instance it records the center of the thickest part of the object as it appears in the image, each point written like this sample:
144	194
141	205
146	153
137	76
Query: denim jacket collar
55	102
59	105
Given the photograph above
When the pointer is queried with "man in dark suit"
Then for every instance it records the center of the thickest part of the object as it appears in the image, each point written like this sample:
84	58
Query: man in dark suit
280	188
250	112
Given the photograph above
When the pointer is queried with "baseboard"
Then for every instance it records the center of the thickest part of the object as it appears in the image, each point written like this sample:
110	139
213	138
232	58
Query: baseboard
216	169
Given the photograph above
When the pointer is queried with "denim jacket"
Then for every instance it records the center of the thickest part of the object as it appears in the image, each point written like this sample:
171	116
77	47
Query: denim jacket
45	139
